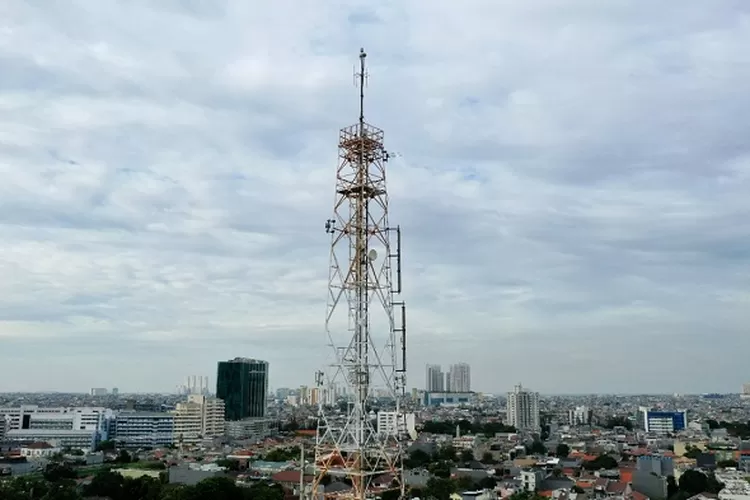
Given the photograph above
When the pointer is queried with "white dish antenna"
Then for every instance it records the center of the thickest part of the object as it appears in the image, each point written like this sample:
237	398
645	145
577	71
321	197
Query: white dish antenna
372	255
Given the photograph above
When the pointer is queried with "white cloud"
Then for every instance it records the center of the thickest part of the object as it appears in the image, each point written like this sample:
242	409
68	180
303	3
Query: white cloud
571	183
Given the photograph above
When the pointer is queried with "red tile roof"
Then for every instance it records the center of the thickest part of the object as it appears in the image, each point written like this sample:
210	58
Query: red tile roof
617	487
39	446
290	476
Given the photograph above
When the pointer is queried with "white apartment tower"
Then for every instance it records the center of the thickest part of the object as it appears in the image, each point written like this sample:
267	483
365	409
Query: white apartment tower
200	417
523	409
459	378
435	380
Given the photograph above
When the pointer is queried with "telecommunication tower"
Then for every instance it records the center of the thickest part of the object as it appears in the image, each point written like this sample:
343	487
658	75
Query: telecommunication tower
365	323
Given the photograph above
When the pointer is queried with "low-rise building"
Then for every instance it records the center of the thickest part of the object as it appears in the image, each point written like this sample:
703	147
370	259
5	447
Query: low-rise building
39	450
135	429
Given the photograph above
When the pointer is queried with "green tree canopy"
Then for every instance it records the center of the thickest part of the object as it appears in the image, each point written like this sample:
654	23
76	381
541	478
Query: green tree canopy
601	462
417	458
562	450
693	482
440	488
282	454
537	448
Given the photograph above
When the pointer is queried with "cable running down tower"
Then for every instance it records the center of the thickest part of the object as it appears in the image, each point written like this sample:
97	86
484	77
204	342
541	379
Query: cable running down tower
366	335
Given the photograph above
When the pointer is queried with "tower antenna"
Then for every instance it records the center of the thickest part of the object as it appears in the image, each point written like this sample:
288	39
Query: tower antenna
362	76
367	338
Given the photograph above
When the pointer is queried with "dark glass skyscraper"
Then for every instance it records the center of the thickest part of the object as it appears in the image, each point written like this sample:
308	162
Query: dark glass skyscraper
243	385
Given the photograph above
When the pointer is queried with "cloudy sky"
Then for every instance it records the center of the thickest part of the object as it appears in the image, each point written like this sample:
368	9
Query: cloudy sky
572	181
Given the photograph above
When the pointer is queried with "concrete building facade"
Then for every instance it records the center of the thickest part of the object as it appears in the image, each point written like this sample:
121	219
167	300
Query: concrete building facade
435	379
523	409
200	417
459	378
75	427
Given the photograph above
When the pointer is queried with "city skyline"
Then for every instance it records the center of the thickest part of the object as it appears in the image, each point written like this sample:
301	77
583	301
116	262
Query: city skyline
570	178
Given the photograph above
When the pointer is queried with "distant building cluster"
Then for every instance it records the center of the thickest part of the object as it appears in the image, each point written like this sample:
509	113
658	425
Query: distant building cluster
102	391
457	379
447	388
195	384
238	410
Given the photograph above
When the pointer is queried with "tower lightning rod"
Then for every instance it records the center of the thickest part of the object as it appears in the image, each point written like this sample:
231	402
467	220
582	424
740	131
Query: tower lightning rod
362	76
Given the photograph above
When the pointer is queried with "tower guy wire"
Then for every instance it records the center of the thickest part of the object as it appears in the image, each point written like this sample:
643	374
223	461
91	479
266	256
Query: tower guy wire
365	324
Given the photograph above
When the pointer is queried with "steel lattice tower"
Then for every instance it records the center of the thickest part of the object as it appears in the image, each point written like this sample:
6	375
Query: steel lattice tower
368	338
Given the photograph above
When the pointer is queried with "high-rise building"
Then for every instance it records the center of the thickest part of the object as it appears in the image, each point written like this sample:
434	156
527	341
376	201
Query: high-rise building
459	378
242	384
200	417
435	380
745	391
523	409
581	415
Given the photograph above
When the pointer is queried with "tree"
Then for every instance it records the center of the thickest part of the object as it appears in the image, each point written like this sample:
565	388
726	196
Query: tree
55	472
537	447
464	483
713	485
215	487
106	445
467	456
601	462
562	450
393	494
487	483
63	490
693	482
447	453
282	454
265	491
672	487
440	488
440	468
619	421
105	484
291	425
123	457
487	458
418	458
